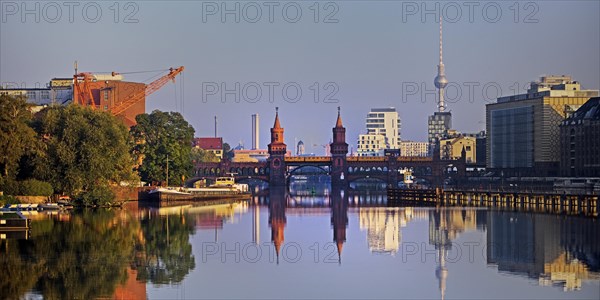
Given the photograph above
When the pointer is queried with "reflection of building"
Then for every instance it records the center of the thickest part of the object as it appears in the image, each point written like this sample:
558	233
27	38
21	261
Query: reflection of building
131	289
339	219
277	219
568	271
554	249
523	130
383	227
444	227
256	224
210	144
580	141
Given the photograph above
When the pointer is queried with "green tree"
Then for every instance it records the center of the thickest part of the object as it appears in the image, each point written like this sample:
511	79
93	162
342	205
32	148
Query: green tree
160	135
227	151
17	138
86	149
200	155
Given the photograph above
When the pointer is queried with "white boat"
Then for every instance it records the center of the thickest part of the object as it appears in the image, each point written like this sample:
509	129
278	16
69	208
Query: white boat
170	191
50	206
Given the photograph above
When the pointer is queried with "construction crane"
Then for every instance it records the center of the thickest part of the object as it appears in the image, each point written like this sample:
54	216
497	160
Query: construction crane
150	88
83	93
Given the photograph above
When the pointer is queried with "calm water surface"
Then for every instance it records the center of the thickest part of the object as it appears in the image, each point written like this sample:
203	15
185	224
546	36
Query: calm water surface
278	245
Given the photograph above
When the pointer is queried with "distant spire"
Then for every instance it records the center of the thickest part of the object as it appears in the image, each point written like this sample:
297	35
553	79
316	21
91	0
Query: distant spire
338	124
277	125
441	60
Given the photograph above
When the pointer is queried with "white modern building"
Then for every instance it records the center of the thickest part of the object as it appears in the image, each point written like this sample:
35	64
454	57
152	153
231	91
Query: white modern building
383	132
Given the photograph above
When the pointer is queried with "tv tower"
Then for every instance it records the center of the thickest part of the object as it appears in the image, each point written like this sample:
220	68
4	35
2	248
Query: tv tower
440	80
441	121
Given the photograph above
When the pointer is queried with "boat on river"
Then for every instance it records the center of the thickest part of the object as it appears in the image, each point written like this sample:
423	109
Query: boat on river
224	187
35	207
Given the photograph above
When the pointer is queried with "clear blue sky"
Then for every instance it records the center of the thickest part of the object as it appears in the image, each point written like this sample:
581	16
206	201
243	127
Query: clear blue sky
370	54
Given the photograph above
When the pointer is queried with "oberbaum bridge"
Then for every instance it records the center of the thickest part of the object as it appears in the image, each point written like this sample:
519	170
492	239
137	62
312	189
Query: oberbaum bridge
278	169
343	169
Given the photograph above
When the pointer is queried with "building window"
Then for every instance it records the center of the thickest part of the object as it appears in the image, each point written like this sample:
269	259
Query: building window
45	94
31	95
105	95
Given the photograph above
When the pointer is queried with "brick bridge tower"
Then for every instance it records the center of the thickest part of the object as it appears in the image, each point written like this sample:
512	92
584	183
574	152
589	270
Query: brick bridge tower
339	150
277	151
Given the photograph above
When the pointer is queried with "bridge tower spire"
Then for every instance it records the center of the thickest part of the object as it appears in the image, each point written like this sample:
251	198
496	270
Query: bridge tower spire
339	151
277	151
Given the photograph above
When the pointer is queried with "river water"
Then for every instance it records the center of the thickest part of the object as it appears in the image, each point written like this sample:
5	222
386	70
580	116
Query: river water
316	244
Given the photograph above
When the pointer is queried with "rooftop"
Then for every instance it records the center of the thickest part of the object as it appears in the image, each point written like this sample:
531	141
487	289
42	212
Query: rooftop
588	111
389	109
209	143
552	86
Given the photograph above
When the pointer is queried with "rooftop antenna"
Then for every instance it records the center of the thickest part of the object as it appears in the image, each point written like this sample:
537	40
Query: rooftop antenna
215	126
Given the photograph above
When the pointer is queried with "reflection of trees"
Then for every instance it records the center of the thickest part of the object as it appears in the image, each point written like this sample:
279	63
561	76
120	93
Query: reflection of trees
165	256
81	259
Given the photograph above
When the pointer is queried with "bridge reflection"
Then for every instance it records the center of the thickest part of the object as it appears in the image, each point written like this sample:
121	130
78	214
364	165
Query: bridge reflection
553	250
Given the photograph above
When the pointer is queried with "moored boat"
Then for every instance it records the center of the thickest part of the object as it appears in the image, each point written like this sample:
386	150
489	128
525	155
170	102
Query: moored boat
224	187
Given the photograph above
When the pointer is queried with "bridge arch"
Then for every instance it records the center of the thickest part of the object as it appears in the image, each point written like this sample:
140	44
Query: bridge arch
378	177
323	170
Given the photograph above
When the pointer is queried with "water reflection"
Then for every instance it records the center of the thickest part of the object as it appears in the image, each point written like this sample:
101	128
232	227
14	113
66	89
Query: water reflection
445	226
277	219
383	226
339	220
82	258
164	253
146	252
556	250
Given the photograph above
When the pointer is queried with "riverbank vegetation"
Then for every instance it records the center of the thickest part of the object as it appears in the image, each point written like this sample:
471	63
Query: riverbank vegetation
85	153
162	136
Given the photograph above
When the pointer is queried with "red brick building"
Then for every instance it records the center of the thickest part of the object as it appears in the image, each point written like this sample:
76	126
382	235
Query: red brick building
108	93
212	144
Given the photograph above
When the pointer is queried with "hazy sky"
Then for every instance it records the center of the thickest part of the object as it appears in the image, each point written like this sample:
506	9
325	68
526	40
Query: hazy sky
373	54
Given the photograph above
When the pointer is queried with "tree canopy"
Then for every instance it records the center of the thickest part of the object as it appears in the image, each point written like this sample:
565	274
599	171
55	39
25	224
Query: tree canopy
160	135
200	155
86	149
17	138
